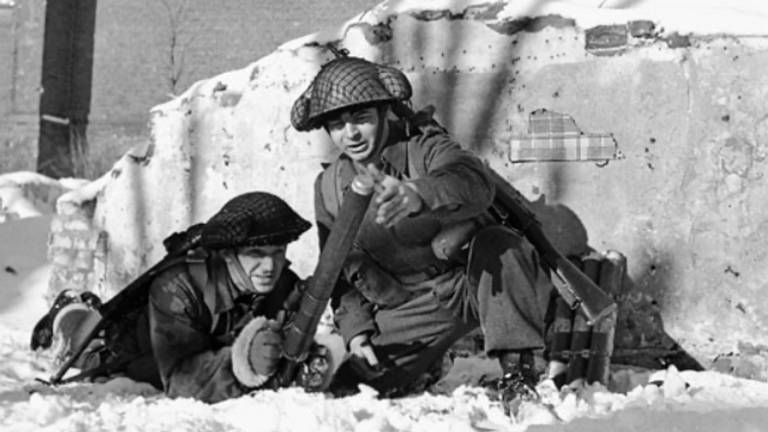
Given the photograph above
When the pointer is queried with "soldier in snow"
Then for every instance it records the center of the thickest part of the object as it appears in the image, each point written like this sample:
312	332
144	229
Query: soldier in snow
211	328
428	265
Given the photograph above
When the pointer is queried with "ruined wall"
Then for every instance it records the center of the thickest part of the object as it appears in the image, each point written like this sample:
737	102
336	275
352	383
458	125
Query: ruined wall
651	140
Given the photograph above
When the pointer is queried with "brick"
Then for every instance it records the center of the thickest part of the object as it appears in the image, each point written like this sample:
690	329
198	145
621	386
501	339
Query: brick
607	39
62	257
58	276
79	242
60	241
676	40
85	240
76	224
641	28
78	279
83	260
57	224
67	208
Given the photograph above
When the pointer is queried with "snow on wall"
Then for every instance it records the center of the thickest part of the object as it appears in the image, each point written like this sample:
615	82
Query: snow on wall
27	194
682	194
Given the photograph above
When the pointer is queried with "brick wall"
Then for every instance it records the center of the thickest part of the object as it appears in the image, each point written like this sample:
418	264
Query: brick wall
76	248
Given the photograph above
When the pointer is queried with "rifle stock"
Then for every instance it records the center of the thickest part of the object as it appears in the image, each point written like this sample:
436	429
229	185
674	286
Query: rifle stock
301	330
571	283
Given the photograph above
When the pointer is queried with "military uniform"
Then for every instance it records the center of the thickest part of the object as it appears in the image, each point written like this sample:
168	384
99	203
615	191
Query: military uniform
414	285
413	305
192	327
205	332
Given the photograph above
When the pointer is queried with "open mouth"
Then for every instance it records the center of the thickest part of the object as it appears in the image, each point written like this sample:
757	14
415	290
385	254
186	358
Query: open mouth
356	147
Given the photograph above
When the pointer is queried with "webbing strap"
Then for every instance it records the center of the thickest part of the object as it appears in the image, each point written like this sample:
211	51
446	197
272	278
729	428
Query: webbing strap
198	271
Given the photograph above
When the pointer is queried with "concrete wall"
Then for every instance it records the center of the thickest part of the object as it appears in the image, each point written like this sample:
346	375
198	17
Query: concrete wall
662	157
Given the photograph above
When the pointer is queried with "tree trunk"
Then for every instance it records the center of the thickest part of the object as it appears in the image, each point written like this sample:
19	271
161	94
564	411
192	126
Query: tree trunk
66	82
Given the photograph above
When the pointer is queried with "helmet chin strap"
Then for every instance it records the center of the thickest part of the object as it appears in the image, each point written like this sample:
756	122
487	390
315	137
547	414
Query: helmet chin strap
382	132
237	272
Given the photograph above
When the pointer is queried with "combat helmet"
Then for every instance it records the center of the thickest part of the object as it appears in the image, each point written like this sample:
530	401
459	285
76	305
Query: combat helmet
253	219
345	82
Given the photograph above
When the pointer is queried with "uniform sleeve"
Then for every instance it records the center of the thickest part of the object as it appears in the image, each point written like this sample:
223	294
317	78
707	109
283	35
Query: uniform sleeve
190	362
353	313
456	185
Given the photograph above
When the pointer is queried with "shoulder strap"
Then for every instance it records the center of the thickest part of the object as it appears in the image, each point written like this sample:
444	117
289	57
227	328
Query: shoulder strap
198	272
413	172
333	182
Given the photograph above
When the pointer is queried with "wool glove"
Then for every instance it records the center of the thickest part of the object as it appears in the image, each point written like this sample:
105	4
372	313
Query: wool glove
256	352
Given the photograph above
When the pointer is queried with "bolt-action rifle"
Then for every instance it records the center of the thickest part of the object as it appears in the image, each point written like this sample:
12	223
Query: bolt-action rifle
510	208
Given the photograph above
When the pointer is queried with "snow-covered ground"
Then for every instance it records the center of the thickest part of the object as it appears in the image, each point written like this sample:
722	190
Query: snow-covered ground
687	401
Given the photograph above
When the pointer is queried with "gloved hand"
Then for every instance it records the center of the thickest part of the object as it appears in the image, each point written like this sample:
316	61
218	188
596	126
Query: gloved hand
256	352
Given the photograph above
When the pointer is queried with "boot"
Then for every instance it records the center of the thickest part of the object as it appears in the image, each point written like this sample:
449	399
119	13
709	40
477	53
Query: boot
518	381
73	323
42	333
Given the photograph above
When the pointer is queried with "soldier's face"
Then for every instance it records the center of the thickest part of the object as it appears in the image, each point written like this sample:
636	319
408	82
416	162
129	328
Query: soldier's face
263	265
354	132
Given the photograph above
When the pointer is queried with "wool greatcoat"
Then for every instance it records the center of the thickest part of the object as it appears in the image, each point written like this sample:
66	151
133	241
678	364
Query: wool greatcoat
413	305
194	319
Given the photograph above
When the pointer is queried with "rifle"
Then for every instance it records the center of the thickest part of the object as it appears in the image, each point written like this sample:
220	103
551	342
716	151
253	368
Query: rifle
510	208
301	330
135	294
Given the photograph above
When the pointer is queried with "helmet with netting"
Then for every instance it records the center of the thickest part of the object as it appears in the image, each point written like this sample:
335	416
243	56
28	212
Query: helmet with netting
253	219
346	82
